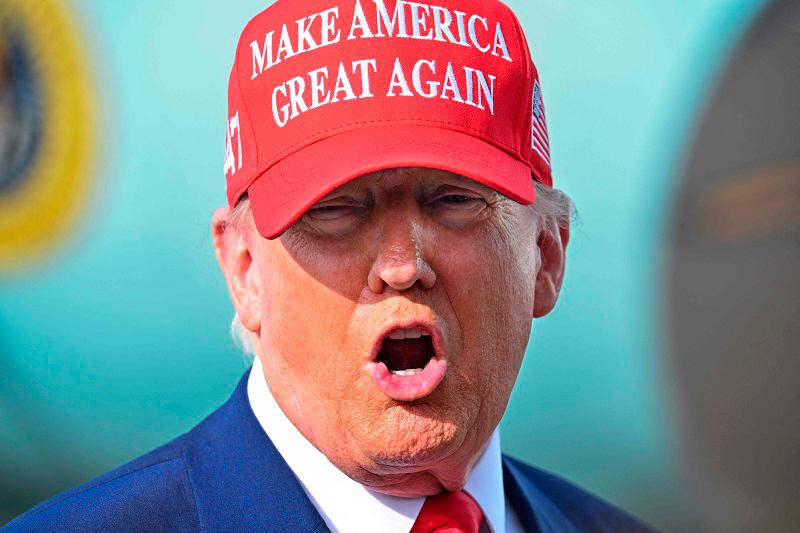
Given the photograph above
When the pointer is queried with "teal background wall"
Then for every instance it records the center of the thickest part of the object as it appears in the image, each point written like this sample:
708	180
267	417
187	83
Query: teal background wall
118	340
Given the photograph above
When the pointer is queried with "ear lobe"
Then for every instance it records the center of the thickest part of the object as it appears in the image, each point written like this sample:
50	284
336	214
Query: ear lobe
552	244
232	249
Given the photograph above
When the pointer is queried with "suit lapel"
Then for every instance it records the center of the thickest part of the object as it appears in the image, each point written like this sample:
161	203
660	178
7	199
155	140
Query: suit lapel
241	482
535	511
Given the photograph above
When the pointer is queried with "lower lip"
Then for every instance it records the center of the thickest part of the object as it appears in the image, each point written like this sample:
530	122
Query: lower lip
408	388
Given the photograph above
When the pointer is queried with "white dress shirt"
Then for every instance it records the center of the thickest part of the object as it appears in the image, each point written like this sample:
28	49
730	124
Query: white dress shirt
346	505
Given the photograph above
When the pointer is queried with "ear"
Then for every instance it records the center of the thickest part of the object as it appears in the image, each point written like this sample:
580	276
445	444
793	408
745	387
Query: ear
232	247
552	244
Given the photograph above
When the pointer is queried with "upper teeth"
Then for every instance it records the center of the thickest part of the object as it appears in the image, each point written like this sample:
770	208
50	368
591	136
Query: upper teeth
409	333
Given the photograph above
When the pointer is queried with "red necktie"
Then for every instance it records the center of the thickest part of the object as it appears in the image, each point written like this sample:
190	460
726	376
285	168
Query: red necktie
449	512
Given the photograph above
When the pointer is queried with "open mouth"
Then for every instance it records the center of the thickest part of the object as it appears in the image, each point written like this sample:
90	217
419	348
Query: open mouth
406	352
407	365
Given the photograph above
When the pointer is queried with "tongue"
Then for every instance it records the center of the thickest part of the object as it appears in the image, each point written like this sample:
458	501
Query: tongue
406	354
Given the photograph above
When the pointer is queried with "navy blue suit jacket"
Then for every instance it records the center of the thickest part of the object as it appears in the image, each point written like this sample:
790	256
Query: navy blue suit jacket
226	475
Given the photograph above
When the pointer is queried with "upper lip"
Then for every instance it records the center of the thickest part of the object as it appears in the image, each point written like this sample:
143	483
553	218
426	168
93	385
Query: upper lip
429	327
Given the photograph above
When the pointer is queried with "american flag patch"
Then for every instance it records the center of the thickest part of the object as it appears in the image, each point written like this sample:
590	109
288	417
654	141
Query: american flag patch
540	142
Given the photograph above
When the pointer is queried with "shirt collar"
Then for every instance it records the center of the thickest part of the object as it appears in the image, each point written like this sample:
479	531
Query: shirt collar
345	504
485	484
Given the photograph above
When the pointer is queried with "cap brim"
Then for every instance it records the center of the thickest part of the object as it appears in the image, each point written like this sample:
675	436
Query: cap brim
288	189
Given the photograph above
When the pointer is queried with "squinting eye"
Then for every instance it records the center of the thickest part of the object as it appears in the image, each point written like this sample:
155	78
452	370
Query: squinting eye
458	201
330	212
455	198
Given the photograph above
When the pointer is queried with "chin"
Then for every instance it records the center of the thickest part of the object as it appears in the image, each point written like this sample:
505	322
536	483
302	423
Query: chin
411	438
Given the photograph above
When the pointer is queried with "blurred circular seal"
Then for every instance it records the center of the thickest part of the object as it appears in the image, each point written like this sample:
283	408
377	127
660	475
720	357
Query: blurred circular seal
46	129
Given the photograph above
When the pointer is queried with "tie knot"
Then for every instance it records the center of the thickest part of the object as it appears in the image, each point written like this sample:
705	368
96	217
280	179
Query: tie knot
449	512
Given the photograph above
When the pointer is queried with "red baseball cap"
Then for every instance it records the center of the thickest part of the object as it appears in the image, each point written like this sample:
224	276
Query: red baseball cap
324	91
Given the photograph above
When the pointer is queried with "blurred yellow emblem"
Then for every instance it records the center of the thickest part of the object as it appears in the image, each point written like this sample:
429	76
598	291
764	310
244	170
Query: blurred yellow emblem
46	128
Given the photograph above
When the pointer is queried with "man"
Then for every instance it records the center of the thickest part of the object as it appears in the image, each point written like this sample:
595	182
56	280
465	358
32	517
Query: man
385	252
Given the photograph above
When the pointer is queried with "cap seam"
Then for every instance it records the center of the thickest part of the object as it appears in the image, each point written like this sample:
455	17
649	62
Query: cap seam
243	103
410	121
246	111
522	45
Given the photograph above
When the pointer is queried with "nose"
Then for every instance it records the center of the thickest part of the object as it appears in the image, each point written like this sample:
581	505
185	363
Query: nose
400	261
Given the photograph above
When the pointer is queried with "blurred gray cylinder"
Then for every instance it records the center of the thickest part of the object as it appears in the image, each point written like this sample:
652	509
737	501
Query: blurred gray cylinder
734	286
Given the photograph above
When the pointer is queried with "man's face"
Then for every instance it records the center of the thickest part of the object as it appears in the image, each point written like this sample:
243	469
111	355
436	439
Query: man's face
405	252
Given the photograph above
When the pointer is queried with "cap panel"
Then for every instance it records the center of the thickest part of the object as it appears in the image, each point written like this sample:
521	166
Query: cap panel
538	155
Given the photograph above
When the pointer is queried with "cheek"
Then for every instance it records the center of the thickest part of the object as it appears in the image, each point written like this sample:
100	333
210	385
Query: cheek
489	280
306	306
490	274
